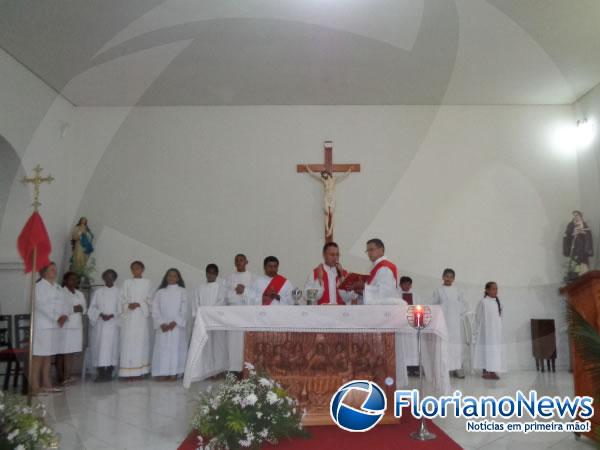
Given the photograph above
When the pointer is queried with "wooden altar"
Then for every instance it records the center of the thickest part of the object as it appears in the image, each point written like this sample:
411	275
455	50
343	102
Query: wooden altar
584	295
313	366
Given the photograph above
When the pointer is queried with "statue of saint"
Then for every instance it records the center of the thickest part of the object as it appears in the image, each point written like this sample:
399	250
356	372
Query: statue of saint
82	240
577	246
329	181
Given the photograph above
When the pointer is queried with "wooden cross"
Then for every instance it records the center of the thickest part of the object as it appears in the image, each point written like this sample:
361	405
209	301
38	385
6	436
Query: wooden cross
327	172
328	165
37	180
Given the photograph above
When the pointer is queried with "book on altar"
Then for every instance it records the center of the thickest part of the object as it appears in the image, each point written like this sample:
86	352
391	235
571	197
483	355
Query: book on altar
353	282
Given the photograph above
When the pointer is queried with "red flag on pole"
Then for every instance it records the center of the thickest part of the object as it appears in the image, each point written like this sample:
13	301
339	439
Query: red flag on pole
34	235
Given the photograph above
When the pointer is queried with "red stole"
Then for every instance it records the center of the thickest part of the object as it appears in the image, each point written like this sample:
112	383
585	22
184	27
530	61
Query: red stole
383	263
325	297
407	297
274	286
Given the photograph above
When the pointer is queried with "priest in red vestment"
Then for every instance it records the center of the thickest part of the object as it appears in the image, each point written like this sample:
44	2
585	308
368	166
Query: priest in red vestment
382	284
272	288
327	277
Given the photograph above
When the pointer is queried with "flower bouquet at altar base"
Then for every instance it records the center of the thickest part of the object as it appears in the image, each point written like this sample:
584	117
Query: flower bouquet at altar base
23	427
246	413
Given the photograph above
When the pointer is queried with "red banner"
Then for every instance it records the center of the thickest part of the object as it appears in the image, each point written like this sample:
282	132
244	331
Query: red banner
34	235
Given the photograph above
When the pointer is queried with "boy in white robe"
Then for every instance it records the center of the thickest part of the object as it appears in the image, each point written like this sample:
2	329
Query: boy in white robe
73	329
135	332
211	293
451	299
272	288
489	352
169	311
104	312
237	286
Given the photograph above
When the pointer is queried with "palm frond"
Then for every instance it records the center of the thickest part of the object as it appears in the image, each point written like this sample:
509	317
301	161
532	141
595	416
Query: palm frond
586	341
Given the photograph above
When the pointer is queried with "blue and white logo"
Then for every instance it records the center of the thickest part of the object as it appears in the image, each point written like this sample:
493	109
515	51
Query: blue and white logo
371	411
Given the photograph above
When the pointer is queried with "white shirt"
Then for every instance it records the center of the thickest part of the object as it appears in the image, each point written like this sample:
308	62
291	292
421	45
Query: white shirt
383	286
260	284
73	299
50	304
231	282
209	294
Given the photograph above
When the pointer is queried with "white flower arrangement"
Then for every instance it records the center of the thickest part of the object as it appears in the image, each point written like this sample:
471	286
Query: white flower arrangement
23	427
240	414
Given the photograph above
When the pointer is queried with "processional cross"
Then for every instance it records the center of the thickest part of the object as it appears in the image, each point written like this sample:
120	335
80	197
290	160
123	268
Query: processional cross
326	174
37	180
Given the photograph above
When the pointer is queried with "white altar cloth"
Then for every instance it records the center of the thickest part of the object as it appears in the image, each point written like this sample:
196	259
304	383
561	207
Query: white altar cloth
208	354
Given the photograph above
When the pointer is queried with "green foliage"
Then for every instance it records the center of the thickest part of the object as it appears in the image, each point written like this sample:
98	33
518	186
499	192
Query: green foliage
587	345
246	413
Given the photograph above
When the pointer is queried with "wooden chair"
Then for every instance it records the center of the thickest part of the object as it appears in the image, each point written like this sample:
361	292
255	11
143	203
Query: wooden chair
543	343
8	354
21	326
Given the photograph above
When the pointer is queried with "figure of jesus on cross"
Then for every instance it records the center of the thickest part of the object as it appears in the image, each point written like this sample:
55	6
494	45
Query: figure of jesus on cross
326	174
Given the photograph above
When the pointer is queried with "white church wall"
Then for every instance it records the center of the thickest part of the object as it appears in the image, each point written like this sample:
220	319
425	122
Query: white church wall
32	118
485	190
588	107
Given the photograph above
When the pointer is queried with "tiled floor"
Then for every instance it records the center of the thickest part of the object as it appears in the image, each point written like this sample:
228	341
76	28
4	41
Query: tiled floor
153	415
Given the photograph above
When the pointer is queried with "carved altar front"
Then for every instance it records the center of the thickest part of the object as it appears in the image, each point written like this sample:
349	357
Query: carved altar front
313	366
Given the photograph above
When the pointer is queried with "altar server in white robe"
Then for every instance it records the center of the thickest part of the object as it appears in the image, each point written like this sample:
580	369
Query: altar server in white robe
327	276
454	308
410	345
51	314
73	329
135	330
104	313
381	286
237	286
489	352
169	313
211	293
272	288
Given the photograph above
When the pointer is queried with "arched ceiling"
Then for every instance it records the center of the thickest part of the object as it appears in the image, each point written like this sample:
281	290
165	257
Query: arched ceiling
297	52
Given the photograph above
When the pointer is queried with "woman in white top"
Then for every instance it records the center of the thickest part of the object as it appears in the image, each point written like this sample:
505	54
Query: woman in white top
73	329
169	311
50	315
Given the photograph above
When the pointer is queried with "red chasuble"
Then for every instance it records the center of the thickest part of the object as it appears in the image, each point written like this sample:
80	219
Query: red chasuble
274	286
383	263
325	297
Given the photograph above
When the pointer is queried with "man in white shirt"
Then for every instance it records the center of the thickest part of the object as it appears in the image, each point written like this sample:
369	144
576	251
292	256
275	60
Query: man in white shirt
382	284
237	288
327	276
272	288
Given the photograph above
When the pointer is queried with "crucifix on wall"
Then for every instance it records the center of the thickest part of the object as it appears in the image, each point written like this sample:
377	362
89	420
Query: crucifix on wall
325	173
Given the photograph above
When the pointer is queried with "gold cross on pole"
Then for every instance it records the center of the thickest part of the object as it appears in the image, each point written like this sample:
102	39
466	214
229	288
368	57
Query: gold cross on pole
36	181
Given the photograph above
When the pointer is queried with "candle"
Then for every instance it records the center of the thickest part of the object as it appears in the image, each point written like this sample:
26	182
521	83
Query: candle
418	315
